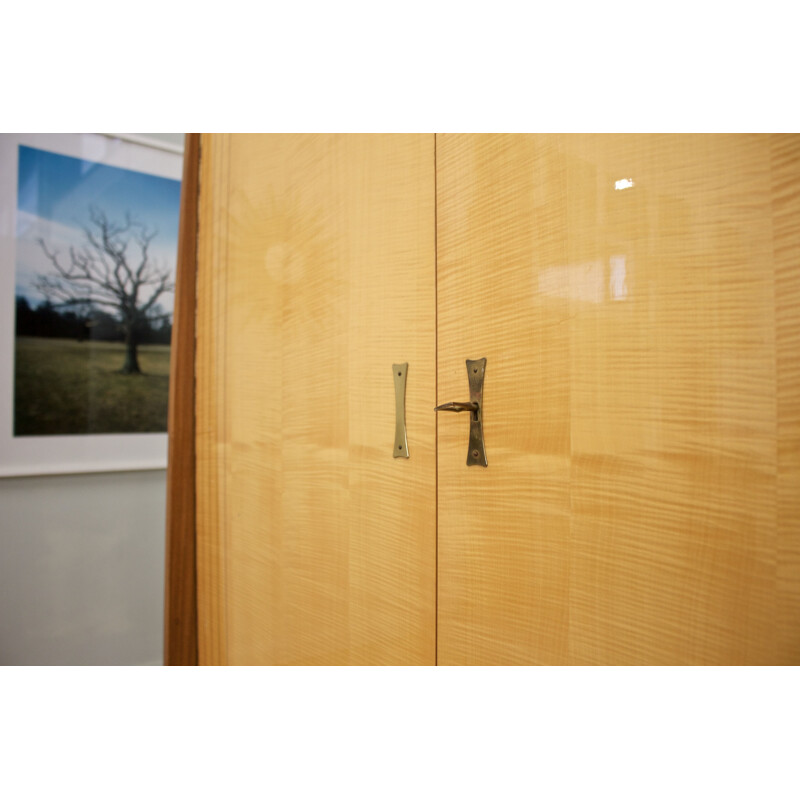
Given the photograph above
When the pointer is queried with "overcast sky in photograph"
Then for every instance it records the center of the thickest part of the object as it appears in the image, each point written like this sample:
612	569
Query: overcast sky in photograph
55	194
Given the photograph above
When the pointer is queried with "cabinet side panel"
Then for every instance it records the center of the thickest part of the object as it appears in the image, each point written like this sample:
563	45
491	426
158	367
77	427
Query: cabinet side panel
180	600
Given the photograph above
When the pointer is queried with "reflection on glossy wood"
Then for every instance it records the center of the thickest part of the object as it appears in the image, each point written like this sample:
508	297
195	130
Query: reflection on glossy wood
641	504
316	274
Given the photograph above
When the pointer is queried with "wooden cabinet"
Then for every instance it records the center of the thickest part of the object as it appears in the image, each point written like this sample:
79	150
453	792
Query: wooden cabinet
636	298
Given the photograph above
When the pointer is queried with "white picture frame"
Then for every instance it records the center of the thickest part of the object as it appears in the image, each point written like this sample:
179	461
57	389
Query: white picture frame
44	455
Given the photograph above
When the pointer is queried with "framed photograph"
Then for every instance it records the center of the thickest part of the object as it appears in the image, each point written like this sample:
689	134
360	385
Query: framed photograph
88	249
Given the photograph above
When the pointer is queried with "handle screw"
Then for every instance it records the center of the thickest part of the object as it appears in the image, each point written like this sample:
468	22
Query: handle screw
475	453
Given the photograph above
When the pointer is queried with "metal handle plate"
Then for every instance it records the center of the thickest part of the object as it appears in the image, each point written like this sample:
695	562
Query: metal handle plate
476	454
400	440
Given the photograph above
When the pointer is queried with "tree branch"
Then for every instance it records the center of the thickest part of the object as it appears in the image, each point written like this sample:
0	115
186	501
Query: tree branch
99	272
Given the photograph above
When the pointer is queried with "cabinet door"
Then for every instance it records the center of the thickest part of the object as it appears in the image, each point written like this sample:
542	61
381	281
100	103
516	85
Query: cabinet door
637	299
316	274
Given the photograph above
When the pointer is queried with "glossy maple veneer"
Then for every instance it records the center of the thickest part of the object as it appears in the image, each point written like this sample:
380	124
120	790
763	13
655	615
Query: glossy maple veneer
637	300
316	274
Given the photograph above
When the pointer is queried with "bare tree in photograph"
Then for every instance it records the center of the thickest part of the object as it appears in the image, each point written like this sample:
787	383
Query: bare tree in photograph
106	273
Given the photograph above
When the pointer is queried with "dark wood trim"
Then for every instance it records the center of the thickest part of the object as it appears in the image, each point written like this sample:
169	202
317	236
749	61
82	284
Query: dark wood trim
180	602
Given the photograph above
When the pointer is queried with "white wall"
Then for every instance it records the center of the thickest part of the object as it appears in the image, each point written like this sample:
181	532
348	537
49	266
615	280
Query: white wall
82	562
82	569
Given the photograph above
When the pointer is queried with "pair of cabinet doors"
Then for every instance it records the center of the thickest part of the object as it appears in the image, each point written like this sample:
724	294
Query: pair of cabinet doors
636	298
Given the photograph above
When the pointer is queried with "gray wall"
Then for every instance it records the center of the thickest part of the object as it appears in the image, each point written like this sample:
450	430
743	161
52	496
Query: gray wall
82	569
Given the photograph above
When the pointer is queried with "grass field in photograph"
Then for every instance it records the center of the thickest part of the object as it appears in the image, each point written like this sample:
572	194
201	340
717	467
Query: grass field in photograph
62	386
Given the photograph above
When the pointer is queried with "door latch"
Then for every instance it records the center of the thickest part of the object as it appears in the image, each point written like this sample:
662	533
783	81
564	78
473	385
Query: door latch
476	455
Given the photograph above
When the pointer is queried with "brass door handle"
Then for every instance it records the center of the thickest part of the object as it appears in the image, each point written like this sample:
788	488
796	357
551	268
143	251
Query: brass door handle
476	455
457	407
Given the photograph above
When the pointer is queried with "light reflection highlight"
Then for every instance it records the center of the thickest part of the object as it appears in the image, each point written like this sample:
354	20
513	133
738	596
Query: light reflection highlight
586	282
617	287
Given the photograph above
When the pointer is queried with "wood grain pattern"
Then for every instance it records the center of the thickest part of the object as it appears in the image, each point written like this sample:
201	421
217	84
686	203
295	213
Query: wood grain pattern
316	264
785	153
211	396
502	590
640	505
180	601
641	406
